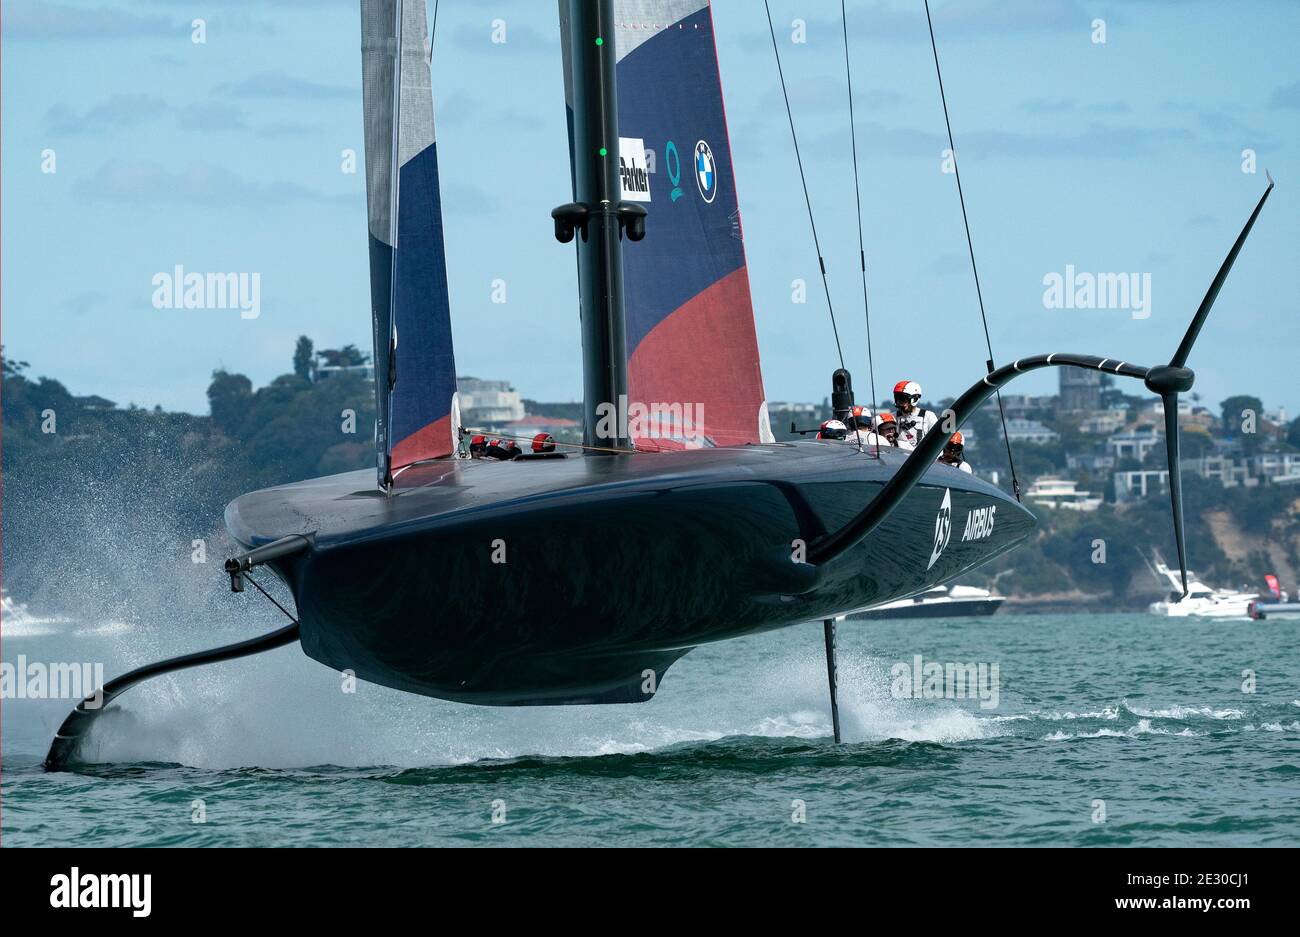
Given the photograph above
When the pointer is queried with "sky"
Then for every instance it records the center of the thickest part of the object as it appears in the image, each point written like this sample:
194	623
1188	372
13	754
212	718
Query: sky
228	155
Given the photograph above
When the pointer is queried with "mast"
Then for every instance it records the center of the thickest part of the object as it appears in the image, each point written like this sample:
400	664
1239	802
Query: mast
598	217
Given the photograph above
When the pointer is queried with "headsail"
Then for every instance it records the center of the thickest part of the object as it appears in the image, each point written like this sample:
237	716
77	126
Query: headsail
690	320
415	371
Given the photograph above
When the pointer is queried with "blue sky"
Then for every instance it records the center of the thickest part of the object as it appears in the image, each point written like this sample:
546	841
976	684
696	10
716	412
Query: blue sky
225	156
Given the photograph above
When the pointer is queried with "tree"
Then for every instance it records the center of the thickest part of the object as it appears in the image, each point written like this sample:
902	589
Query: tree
347	356
229	397
10	367
1232	410
304	358
1293	434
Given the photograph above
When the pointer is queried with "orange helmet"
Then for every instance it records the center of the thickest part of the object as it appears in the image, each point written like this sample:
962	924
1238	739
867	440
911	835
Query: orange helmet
957	439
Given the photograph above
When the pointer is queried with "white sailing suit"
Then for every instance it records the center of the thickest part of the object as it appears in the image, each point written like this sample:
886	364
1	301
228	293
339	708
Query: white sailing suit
870	440
921	420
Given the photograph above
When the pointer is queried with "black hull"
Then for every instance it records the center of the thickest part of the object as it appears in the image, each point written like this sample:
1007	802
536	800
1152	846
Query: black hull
961	608
614	566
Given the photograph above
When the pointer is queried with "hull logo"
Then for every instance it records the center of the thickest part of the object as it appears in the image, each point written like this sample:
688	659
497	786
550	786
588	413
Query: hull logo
706	171
979	523
942	528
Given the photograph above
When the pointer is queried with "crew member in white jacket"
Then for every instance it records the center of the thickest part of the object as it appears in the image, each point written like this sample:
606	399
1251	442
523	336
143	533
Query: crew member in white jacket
954	454
914	421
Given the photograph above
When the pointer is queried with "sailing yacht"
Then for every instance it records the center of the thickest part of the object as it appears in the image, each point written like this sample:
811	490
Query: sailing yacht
1200	601
581	576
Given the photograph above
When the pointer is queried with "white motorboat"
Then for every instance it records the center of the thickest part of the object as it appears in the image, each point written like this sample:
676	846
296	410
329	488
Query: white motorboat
939	602
1201	601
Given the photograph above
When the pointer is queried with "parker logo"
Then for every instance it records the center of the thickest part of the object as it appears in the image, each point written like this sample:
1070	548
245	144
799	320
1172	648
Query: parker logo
76	890
979	523
942	528
633	170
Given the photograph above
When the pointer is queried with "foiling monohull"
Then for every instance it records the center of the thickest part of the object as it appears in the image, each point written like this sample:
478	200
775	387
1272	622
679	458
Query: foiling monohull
581	578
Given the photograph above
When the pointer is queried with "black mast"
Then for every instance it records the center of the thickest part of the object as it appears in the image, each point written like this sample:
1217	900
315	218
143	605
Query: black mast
598	217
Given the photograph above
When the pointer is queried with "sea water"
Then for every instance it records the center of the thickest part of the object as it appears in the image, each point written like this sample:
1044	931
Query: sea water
1107	730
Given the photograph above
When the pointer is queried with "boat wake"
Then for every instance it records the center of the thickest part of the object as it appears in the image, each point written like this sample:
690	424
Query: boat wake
281	710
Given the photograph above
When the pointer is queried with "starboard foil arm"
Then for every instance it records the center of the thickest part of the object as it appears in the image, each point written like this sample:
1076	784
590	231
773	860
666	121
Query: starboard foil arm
67	741
1167	381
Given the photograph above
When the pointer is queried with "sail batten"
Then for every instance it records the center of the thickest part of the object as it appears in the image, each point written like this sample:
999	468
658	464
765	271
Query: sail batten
415	373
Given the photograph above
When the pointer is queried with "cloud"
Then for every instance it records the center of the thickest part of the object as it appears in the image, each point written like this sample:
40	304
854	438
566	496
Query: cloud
955	19
1070	106
126	111
28	19
1287	96
459	109
278	85
467	197
119	112
523	39
143	181
826	94
946	265
210	116
1097	141
83	302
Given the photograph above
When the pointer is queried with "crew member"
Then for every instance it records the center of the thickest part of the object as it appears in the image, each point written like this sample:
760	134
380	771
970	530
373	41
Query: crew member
859	419
887	430
477	446
832	429
954	454
914	421
859	428
505	449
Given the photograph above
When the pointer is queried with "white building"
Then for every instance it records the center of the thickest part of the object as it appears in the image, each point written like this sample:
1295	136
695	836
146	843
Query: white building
364	371
485	402
1061	493
1276	465
1136	444
1141	483
1022	430
1104	422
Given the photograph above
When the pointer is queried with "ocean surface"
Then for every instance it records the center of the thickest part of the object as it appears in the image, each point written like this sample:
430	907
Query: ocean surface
1107	730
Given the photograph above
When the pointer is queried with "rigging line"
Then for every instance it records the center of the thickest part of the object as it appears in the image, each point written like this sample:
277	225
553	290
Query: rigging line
269	596
433	30
857	192
803	179
970	246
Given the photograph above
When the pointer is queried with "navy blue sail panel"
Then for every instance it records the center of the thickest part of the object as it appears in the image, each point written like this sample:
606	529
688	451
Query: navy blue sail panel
690	319
415	372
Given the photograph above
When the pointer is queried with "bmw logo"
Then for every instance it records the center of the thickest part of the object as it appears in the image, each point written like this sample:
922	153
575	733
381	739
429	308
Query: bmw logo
706	171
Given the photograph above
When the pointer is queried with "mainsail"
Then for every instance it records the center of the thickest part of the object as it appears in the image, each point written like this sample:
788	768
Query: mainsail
692	351
415	371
